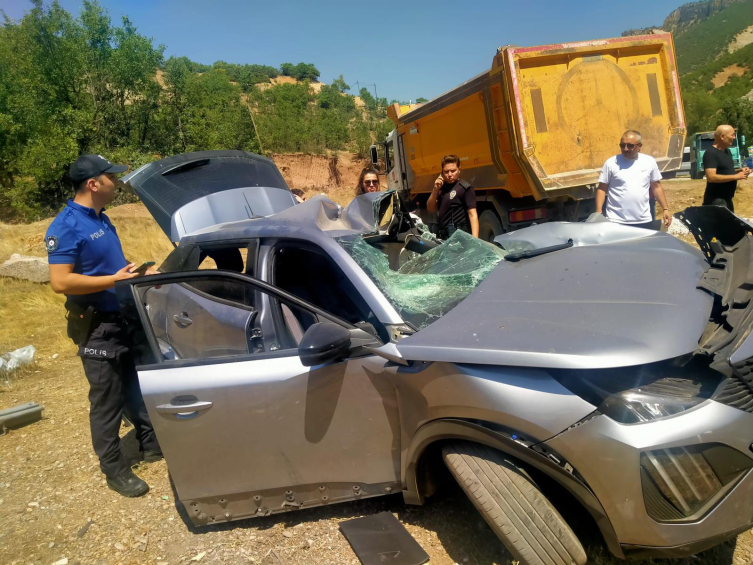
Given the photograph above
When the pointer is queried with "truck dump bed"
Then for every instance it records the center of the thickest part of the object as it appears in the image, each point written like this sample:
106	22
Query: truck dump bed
544	119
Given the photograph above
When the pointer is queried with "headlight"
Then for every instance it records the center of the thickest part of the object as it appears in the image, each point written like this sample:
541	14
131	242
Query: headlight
645	392
678	482
646	403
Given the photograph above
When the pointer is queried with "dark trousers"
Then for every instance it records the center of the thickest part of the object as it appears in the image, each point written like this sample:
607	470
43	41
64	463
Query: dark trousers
113	390
712	199
447	231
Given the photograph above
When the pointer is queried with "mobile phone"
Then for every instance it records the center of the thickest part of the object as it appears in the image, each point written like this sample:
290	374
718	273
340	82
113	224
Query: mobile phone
141	269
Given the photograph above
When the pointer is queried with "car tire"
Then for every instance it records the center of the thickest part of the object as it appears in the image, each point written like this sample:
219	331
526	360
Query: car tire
489	226
521	516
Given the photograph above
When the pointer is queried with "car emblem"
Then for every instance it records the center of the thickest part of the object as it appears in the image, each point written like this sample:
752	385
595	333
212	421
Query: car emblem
51	243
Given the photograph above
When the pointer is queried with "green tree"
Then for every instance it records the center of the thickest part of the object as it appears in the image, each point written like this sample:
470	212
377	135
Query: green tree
739	114
86	85
421	100
701	109
68	86
340	84
287	69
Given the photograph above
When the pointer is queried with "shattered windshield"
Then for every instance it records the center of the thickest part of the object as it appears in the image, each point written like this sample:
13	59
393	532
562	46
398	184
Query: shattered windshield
425	287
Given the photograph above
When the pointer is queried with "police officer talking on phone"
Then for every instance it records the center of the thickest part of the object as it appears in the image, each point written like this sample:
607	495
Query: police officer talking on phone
86	259
454	200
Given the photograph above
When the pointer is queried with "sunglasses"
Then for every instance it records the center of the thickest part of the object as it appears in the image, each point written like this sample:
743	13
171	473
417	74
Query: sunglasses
630	146
371	182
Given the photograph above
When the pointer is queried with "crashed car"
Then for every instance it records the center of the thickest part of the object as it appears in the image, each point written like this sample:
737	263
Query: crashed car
292	356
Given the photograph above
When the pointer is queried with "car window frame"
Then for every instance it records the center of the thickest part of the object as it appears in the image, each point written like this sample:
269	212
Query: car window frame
275	244
180	277
199	247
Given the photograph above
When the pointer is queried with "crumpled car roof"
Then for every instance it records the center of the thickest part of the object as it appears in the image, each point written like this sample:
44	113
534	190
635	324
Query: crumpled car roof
318	213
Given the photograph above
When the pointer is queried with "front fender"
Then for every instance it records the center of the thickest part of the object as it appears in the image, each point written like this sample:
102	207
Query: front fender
550	464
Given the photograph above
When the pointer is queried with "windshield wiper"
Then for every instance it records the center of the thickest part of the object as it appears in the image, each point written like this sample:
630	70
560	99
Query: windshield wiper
536	252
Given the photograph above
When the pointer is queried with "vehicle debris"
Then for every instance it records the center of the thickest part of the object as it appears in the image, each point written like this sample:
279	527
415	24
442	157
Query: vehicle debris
381	538
19	416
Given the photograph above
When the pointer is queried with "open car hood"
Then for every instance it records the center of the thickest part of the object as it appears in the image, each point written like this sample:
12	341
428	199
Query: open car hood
619	296
189	192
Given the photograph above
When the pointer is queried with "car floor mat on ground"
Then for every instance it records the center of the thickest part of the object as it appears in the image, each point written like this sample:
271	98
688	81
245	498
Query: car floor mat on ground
381	539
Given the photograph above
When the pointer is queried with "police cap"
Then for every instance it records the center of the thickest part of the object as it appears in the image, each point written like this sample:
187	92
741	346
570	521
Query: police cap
90	166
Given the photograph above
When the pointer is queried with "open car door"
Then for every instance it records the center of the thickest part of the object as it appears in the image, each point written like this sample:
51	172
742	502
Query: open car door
247	429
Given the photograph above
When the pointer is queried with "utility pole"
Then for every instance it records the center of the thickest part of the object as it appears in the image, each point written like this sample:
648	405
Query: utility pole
375	91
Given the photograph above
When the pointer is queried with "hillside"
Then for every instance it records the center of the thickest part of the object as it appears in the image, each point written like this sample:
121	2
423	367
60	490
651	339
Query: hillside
686	16
714	48
72	85
701	43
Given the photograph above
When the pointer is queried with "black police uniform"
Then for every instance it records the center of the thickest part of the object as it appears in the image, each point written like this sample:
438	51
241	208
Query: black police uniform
89	242
453	202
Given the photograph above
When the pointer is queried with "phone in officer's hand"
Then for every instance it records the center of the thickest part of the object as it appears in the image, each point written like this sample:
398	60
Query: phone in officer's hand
141	269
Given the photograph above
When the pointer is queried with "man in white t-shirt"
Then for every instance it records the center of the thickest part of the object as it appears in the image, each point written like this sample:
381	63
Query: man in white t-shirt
626	183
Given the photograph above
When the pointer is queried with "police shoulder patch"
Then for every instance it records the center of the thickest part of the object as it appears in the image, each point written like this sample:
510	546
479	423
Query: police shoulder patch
51	242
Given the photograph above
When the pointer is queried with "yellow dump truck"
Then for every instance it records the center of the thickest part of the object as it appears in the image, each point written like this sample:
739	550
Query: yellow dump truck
533	132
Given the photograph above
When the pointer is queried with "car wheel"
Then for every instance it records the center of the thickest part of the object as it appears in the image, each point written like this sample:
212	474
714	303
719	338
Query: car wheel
489	226
521	516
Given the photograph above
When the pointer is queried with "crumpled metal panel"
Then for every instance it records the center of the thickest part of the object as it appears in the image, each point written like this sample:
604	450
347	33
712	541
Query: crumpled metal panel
613	300
597	230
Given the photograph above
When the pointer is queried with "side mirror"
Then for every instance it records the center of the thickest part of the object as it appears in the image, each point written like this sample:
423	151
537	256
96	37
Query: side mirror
322	343
374	156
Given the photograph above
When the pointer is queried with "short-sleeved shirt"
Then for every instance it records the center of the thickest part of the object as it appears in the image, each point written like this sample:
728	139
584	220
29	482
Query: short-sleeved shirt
724	164
453	202
78	237
629	182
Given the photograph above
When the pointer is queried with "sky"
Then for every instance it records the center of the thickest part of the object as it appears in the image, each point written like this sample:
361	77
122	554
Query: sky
408	49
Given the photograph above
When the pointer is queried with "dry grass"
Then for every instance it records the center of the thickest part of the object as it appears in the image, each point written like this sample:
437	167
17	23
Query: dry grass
32	313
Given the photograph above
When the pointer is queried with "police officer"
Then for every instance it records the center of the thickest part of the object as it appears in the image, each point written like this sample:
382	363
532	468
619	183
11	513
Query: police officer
86	260
454	200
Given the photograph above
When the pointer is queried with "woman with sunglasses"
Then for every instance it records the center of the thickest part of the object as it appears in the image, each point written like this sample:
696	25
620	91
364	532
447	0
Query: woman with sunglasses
368	181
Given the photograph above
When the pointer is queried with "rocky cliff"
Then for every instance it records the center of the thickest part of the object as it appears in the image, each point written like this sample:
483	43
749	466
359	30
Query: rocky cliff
686	15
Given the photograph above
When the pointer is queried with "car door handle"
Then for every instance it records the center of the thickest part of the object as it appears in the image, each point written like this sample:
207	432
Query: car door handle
186	409
182	319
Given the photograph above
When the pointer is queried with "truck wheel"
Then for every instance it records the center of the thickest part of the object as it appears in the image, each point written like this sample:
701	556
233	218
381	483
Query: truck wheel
489	226
521	516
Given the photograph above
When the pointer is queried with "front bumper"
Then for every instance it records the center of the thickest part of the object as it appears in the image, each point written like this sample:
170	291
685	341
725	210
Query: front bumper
607	455
679	551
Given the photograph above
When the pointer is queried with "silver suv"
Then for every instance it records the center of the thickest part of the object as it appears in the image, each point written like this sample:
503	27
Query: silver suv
292	356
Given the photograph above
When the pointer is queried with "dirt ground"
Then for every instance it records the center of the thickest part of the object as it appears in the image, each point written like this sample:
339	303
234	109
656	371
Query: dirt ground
334	175
56	508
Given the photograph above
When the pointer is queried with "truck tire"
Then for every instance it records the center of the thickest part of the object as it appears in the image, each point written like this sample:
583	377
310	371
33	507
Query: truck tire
489	226
521	516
